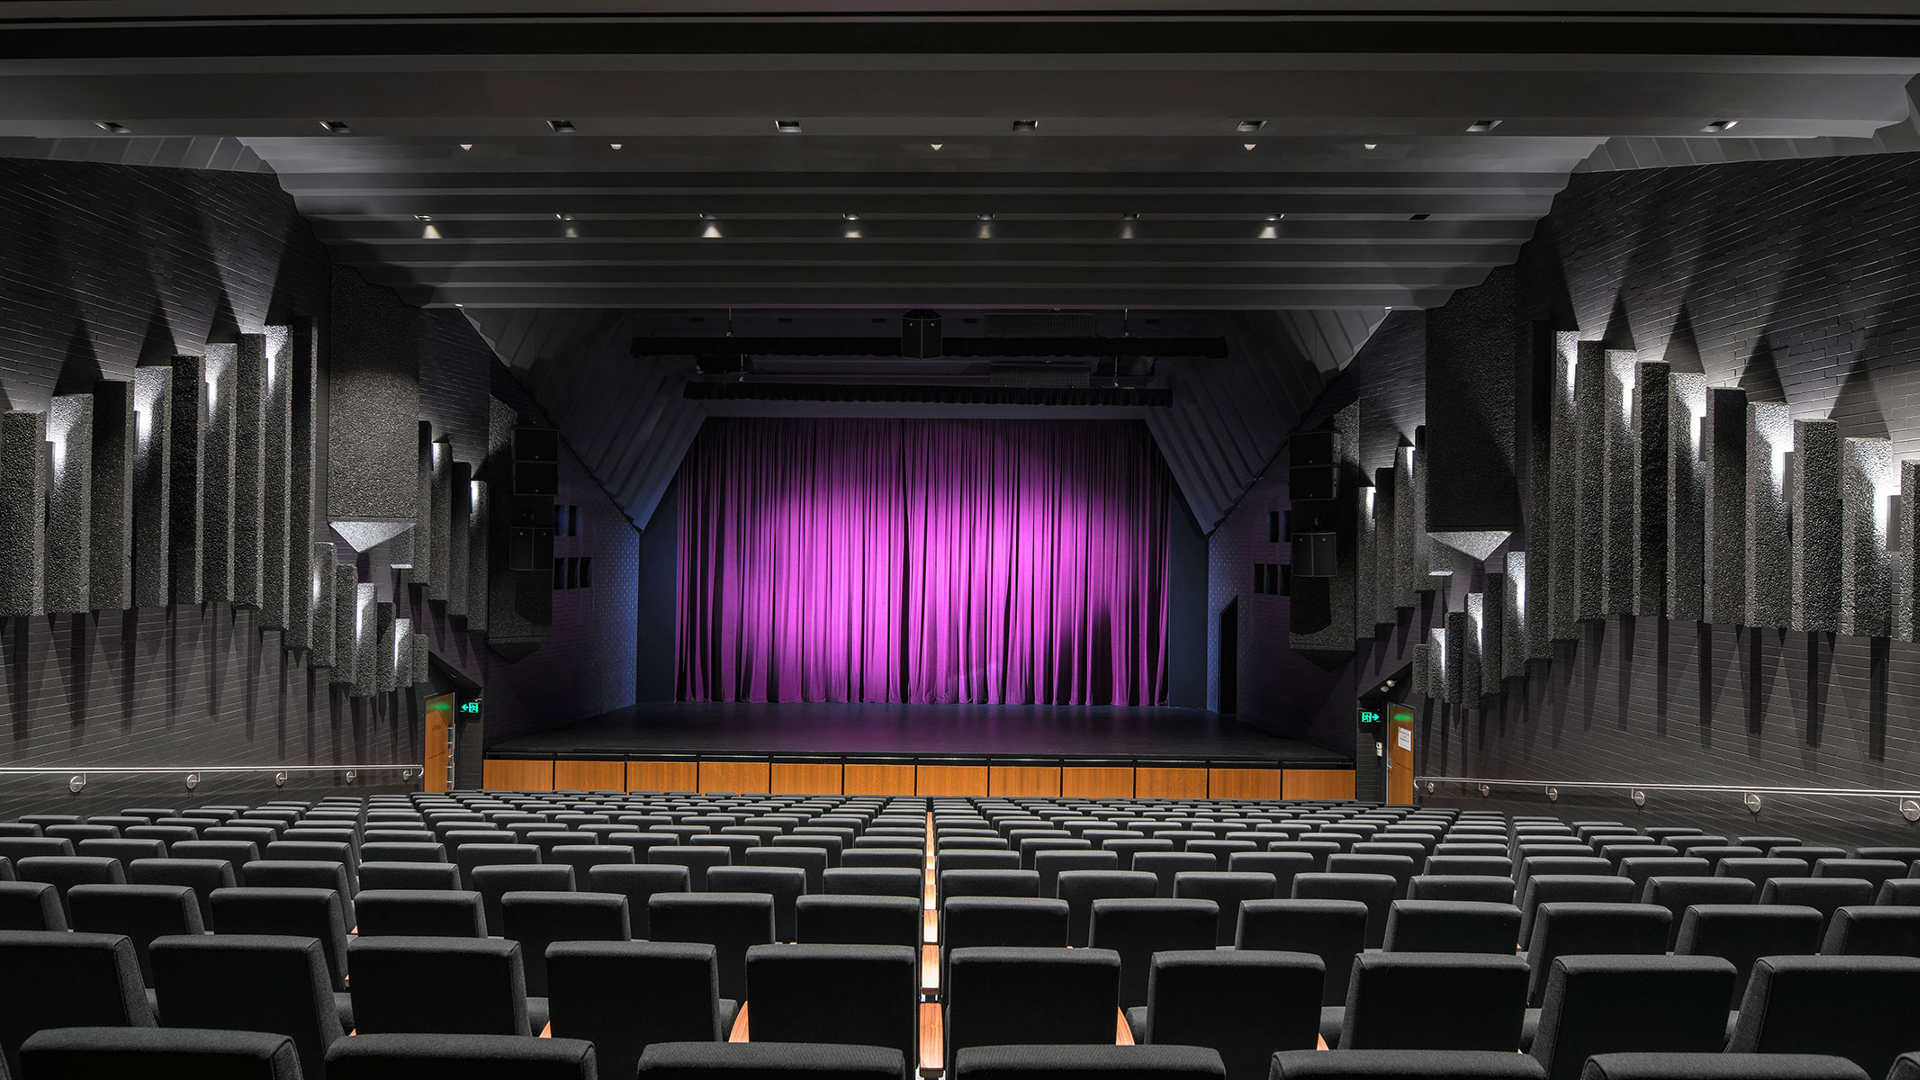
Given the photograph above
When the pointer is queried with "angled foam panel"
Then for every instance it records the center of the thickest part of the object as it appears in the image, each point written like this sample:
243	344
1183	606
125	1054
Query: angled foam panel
1484	613
418	656
460	504
110	526
23	513
1816	525
1686	494
321	593
1590	482
69	502
276	424
1617	480
1652	434
415	545
186	533
1522	619
1364	577
1407	581
1423	564
303	368
216	474
152	475
249	467
373	410
1385	574
366	640
1906	555
402	652
478	527
346	622
384	623
1870	479
1455	650
1563	534
1723	442
1422	665
442	524
1769	561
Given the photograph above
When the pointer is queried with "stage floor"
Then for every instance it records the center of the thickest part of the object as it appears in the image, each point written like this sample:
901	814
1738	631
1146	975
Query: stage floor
858	731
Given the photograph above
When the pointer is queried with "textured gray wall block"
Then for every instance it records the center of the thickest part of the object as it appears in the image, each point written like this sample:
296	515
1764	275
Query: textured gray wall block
1405	527
110	524
69	502
1563	537
186	530
23	513
1723	441
216	474
1816	525
321	593
1488	646
1365	577
1686	494
373	387
1906	546
303	368
460	501
1423	564
1421	667
478	527
366	640
346	622
1455	650
416	544
418	656
152	469
249	467
276	433
402	653
1870	479
1652	430
385	642
1769	560
1523	617
442	521
1622	509
1473	417
1590	485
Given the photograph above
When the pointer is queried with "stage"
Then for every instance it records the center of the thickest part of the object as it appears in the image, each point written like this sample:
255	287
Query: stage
1096	751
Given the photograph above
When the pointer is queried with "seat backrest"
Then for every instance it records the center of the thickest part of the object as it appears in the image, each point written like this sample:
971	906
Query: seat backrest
1857	1007
90	1052
1605	888
873	881
311	913
420	913
1862	930
30	905
1618	1004
248	982
1082	888
77	980
766	1061
1720	1066
1470	887
1403	1065
786	884
427	852
864	995
858	920
413	876
988	921
537	919
1229	890
697	858
1761	870
730	922
1677	894
1333	930
1742	933
141	912
624	995
1090	1062
1434	1001
478	986
470	1057
303	874
1825	895
1376	891
1137	928
1451	926
1166	865
1245	1004
1639	868
1572	928
1002	996
497	880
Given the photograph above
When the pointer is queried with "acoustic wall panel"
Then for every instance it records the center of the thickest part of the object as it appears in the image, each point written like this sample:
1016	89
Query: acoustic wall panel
1523	615
385	643
346	622
366	639
152	467
23	513
460	504
110	518
1769	562
373	392
1723	442
414	545
1423	564
442	524
419	654
216	475
1686	494
249	468
1405	527
1652	435
322	594
1364	577
477	531
1816	525
1906	556
1455	650
303	371
1475	679
1590	485
1386	579
1563	533
186	535
276	472
1622	511
69	502
1422	668
1870	480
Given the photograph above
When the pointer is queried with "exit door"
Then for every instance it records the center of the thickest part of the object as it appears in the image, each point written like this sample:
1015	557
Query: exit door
1399	755
437	742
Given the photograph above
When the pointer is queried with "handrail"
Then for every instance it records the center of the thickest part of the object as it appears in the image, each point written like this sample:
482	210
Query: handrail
1607	785
168	770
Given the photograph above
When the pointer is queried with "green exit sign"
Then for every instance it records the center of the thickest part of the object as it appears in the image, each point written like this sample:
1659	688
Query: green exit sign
470	707
1368	716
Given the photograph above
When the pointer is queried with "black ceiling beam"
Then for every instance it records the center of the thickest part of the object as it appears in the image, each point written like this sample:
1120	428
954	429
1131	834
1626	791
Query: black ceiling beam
756	390
953	347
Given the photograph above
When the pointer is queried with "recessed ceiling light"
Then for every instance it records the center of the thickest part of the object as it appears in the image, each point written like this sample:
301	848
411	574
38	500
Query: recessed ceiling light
936	145
787	127
1481	127
850	216
457	304
560	216
1418	217
336	127
423	217
561	127
430	232
571	233
615	145
1269	231
983	217
1369	146
466	146
111	127
1026	125
1276	217
1248	127
1719	126
1248	145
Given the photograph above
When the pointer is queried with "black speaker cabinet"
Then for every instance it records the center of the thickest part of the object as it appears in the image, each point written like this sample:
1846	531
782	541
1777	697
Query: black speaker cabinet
1313	483
920	335
1315	555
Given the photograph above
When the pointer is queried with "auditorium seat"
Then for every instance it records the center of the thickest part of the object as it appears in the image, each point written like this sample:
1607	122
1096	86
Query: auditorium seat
1375	891
474	986
761	1061
730	922
77	980
1638	869
873	881
249	982
63	872
1677	894
1862	930
110	1053
1451	926
30	905
809	861
1090	1063
1720	1067
1742	933
411	876
1902	893
1761	871
313	913
538	919
1616	1004
697	859
1166	865
468	1057
1244	1004
493	882
1229	890
1005	996
125	851
420	913
897	858
236	852
1403	1065
1809	853
862	995
1027	922
1468	887
1825	895
33	846
1858	1007
1333	930
303	874
1546	889
1572	929
624	996
1050	864
859	920
1136	929
1433	1001
141	912
1283	865
1872	870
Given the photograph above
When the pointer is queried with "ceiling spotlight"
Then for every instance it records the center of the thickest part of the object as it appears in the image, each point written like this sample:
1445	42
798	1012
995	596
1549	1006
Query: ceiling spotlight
983	217
111	127
936	146
466	146
1418	217
712	230
1248	127
1269	231
558	216
850	217
1369	146
458	304
787	127
1718	127
1275	217
561	127
1026	125
1481	127
430	232
336	127
615	145
570	232
1248	145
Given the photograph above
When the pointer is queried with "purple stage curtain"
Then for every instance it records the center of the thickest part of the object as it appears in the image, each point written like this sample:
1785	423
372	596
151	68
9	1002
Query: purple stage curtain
925	561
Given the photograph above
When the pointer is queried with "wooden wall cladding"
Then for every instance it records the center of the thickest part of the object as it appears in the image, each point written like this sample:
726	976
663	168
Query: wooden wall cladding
589	776
1244	783
950	779
662	776
514	774
805	778
877	779
1316	784
1019	780
738	776
1169	783
1096	782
